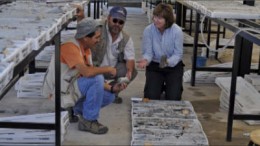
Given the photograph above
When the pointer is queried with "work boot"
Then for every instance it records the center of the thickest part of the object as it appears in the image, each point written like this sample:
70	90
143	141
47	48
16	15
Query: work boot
118	100
91	126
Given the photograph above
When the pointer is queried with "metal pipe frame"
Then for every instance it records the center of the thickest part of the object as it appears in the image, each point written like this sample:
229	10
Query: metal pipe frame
19	70
57	90
244	39
239	54
251	37
217	41
245	34
209	35
236	65
89	9
195	50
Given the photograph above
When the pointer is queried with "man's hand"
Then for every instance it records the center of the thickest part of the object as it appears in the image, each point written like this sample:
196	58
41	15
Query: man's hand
123	80
142	63
119	87
130	65
112	71
129	75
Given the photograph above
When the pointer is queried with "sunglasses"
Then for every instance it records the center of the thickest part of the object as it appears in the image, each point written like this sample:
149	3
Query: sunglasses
121	22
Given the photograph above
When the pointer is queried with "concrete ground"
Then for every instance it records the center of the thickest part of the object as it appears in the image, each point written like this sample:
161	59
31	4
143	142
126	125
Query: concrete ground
204	98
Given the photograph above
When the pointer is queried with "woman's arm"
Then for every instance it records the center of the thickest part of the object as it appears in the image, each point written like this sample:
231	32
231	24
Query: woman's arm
178	49
147	44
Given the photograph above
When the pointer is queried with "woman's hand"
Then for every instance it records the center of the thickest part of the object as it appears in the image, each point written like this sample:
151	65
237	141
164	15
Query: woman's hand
142	63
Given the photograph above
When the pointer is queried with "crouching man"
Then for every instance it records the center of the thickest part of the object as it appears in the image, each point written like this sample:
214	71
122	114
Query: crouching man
82	84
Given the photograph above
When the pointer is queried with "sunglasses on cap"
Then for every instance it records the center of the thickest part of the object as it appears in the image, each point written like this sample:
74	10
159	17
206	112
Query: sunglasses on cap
121	22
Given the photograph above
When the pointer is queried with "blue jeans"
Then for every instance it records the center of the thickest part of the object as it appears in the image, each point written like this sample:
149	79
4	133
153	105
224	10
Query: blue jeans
94	97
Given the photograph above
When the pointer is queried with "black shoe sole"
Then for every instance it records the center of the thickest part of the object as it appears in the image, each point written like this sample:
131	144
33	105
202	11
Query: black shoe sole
118	100
81	127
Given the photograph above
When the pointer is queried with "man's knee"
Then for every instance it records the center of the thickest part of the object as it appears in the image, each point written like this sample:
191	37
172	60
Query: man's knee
100	79
174	93
91	80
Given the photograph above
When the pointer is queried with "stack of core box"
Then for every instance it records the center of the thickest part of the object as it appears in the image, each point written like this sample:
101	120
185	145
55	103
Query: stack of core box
11	136
30	86
247	98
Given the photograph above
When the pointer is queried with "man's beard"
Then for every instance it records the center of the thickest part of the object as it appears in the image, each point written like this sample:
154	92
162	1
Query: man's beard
115	30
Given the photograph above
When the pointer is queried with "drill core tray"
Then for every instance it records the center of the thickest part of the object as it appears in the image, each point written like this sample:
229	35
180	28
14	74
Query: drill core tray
166	123
224	9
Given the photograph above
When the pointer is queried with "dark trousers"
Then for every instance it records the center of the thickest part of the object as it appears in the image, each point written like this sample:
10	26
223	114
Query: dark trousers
121	71
157	77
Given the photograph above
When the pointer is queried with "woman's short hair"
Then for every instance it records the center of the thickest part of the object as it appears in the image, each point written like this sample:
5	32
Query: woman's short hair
165	11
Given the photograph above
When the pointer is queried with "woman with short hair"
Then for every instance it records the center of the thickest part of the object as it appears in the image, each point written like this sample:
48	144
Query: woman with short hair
162	51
